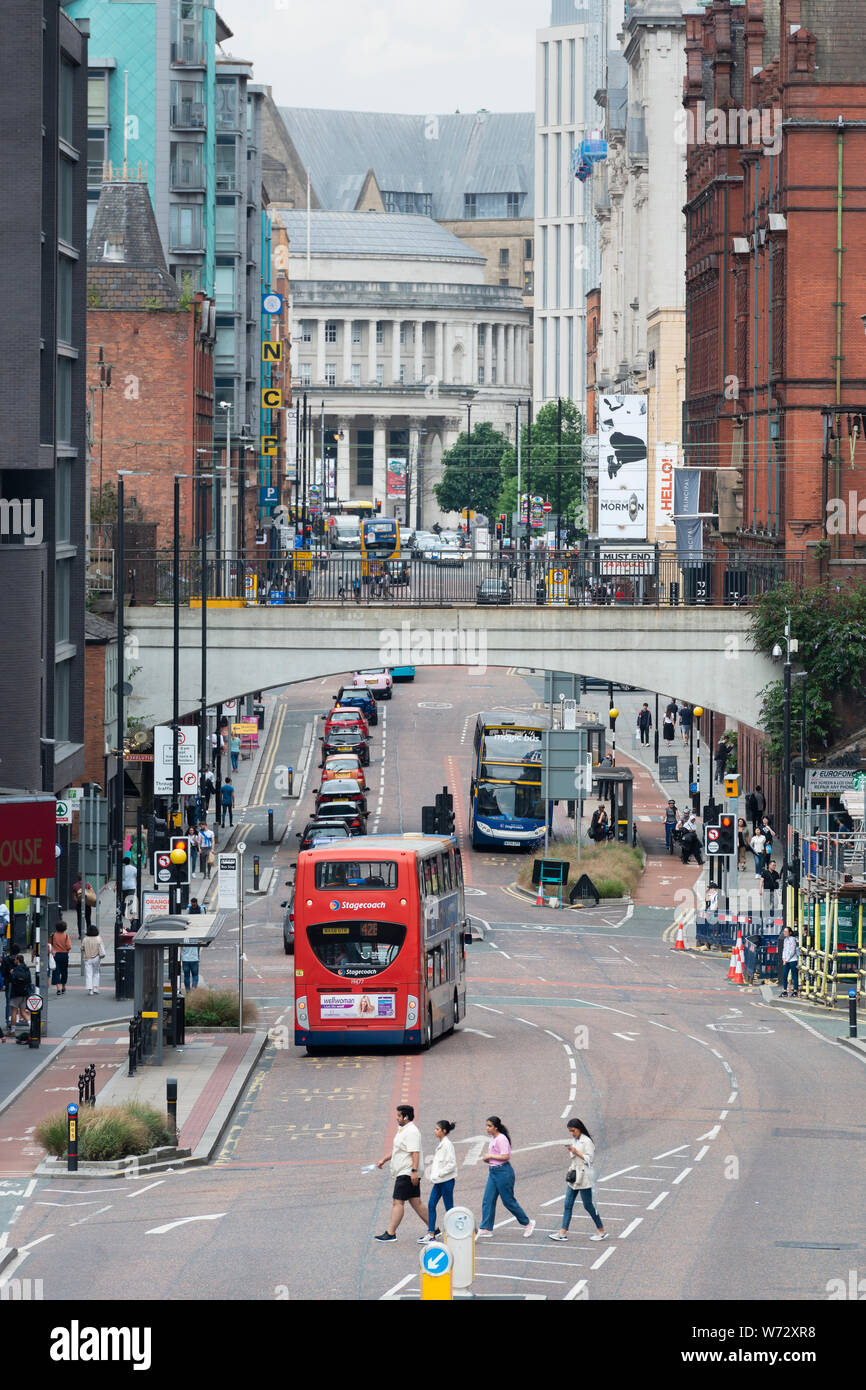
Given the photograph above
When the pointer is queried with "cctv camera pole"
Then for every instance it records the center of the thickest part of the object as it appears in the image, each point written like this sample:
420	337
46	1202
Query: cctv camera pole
175	684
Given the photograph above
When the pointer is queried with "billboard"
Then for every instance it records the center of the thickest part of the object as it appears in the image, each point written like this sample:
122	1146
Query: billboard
397	469
622	467
667	459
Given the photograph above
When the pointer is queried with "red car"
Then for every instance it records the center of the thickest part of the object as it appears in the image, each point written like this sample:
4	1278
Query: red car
346	719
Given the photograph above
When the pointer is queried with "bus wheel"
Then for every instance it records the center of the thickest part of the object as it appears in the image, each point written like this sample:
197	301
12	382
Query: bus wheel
456	1009
428	1032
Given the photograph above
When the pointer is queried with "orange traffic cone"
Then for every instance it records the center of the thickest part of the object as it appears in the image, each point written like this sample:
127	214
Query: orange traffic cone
680	943
539	896
739	961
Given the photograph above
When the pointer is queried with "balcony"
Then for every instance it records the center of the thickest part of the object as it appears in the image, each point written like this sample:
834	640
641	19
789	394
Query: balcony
187	178
189	115
226	181
189	53
95	174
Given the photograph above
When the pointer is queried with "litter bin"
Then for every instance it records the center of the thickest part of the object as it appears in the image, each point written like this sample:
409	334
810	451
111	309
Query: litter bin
540	594
259	712
124	973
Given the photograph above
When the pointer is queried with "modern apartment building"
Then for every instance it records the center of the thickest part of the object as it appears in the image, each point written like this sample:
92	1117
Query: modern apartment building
43	114
570	70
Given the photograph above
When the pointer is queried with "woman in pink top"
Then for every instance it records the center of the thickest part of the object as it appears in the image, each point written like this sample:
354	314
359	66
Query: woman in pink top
500	1181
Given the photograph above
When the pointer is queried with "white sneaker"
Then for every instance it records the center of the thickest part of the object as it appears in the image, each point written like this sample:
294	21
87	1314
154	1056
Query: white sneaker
527	1230
600	1235
554	1235
483	1235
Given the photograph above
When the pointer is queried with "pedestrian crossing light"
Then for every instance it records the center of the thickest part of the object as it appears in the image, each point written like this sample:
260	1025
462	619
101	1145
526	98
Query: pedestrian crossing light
179	856
726	834
732	787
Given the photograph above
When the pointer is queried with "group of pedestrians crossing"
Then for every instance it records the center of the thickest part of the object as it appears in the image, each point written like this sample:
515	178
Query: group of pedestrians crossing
406	1165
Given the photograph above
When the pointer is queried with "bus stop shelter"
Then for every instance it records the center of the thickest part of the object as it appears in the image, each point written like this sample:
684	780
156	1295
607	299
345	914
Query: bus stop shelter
158	996
615	785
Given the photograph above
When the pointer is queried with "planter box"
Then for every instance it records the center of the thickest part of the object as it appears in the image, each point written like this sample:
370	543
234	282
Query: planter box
153	1160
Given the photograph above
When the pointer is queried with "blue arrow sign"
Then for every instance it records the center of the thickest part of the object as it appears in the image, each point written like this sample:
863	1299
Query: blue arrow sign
436	1260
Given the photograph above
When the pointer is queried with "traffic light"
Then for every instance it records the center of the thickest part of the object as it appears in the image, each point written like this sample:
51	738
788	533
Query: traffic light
445	813
499	531
179	856
378	505
429	820
727	834
157	833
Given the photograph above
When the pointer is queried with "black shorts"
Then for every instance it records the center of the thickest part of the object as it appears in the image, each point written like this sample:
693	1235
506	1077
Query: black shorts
404	1188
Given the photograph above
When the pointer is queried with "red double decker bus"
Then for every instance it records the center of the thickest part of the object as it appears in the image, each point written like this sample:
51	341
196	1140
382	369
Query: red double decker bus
380	942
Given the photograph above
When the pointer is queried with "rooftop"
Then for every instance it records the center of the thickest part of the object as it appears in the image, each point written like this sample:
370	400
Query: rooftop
379	234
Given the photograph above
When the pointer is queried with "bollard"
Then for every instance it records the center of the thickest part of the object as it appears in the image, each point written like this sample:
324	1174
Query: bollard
291	780
72	1138
82	1089
255	873
852	1013
132	1047
35	1035
270	826
90	1075
171	1102
139	1038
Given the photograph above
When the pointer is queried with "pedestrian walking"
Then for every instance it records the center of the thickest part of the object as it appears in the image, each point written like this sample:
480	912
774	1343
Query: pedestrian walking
644	722
756	805
190	956
214	748
443	1175
579	1178
686	719
209	789
723	752
742	842
7	965
227	801
500	1181
405	1161
59	946
84	903
129	881
194	846
93	954
235	750
790	959
21	985
668	727
206	851
671	818
768	833
770	880
758	845
598	825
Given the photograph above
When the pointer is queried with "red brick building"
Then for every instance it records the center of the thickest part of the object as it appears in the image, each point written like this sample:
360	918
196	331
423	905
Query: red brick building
156	417
775	99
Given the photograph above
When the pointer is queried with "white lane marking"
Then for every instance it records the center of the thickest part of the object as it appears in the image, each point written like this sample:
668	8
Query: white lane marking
700	1153
487	1009
723	1114
507	1260
601	1259
568	1051
666	1026
402	1284
576	1290
716	1053
667	1153
630	961
710	1134
91	1214
620	1204
680	1176
30	1244
631	1227
628	1037
732	1097
552	1035
158	1183
789	1013
657	1201
698	1040
525	1020
184	1221
565	1112
521	1278
64	1204
614	948
477	1031
610	1176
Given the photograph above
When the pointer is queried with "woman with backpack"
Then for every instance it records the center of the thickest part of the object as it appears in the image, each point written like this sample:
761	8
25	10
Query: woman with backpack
92	953
579	1179
21	987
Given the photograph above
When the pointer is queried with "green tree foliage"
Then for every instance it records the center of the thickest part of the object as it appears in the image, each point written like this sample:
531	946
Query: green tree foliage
475	472
540	463
830	625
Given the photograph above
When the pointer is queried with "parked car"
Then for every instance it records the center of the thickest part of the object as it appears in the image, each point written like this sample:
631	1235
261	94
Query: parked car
346	813
342	718
449	554
402	673
349	696
320	831
342	739
379	681
289	920
340	789
493	591
343	765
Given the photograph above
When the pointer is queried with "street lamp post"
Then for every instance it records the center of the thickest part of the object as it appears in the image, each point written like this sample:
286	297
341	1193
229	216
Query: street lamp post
613	715
468	470
695	780
791	647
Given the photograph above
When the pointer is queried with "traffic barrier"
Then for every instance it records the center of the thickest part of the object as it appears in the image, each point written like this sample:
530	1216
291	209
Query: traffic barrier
732	967
680	943
738	961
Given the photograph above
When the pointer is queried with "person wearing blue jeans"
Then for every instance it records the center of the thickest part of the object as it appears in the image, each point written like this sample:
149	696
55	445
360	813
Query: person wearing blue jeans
581	1152
500	1181
443	1174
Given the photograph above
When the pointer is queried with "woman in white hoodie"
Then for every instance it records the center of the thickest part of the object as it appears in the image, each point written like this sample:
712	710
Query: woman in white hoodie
443	1174
579	1179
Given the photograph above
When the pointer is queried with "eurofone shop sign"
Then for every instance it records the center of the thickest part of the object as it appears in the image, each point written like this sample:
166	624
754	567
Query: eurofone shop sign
27	837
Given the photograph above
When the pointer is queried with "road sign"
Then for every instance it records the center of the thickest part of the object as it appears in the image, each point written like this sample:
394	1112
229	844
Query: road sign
436	1265
713	846
64	813
163	756
154	905
75	795
303	559
34	1003
829	781
268	496
227	880
162	869
272	303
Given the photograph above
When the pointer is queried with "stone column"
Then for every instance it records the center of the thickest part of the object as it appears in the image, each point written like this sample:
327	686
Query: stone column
320	351
419	351
473	354
415	483
395	350
500	354
371	352
344	455
347	352
488	354
510	357
439	369
380	455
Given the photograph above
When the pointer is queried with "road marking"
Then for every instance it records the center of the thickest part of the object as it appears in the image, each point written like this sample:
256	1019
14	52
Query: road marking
629	1037
402	1284
699	1155
702	1041
487	1009
716	1054
520	1278
680	1176
723	1114
525	1020
552	1035
789	1013
90	1214
710	1134
657	1201
477	1031
610	1176
732	1097
601	1259
631	1227
184	1221
666	1026
576	1290
30	1244
130	1195
64	1204
667	1153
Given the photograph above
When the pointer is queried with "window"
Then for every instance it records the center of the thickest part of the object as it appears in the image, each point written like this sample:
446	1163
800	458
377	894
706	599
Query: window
557	176
188	108
406	333
339	873
63	416
305	374
528	282
527	248
503	257
63	500
185	227
447	880
95	156
546	116
62	592
224	349
187	170
330	373
356	330
225	225
504	283
306	333
66	201
514	201
64	299
97	99
402	375
226	165
62	673
419	204
227	106
355	949
544	267
427	878
545	178
380	379
356	374
224	288
557	237
66	113
480	375
470	205
364	464
380	331
331	331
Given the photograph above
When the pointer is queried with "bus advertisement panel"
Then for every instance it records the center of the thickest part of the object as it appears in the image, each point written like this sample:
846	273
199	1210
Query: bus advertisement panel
506	808
380	937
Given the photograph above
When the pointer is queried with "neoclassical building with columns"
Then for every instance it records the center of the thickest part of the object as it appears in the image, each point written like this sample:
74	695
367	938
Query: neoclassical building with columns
395	330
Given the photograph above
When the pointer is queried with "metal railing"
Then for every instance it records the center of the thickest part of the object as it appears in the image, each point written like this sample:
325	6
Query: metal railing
565	580
99	572
187	176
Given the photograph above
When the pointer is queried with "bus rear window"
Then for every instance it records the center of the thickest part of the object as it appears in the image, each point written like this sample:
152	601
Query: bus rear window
348	873
356	950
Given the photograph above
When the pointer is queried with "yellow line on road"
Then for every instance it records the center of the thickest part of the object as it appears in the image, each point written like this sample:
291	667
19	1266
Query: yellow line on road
269	758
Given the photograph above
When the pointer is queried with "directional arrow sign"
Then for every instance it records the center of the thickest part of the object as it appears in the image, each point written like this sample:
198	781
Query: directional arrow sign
184	1221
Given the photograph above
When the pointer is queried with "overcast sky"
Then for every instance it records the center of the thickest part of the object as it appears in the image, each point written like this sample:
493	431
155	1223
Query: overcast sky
420	56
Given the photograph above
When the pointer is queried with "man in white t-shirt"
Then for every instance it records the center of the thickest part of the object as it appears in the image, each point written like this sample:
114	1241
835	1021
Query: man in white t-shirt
405	1159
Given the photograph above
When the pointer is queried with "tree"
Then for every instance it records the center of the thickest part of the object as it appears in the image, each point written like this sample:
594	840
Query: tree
540	462
475	474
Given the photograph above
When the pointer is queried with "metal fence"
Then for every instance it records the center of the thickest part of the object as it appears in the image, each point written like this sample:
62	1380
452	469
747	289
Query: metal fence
593	578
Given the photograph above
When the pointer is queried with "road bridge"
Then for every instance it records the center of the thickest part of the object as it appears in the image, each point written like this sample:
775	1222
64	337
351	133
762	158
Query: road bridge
703	655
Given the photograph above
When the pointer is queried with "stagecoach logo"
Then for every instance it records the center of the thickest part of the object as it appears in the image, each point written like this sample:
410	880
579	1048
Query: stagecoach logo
335	905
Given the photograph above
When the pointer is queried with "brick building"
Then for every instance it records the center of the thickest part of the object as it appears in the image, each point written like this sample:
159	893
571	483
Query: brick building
156	417
100	697
775	123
